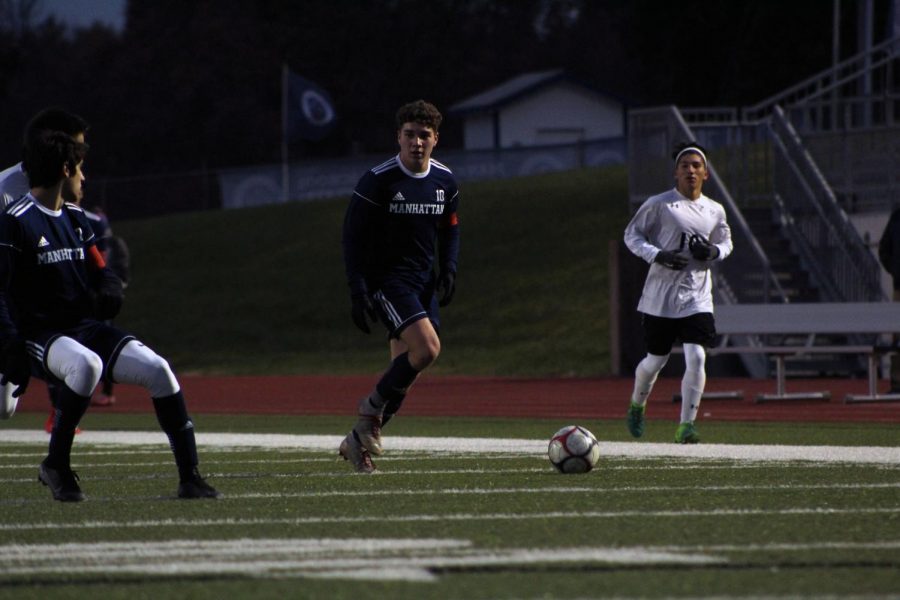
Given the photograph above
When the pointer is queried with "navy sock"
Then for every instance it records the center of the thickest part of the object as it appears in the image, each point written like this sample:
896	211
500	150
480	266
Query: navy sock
70	407
393	385
171	412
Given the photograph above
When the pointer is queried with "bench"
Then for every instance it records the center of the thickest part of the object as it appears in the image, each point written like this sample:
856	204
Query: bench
874	319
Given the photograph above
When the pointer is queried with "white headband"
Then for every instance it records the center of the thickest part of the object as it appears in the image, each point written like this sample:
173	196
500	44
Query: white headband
692	150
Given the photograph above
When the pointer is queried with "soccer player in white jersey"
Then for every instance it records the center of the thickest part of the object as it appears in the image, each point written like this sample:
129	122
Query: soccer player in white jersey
401	222
680	233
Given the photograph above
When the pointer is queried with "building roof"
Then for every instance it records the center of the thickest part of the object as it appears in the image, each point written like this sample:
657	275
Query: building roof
507	91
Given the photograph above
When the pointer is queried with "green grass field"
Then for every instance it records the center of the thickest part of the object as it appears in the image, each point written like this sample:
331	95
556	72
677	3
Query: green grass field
476	511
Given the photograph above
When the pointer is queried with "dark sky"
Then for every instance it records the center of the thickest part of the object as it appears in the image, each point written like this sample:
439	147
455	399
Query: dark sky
83	13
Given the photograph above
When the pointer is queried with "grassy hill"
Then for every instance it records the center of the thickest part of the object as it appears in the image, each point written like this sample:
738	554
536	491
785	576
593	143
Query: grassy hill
262	290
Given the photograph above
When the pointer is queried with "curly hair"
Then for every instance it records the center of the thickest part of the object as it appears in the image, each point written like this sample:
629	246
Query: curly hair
421	112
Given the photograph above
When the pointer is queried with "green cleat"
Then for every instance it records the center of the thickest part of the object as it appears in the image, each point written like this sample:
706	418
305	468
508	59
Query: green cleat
635	419
686	434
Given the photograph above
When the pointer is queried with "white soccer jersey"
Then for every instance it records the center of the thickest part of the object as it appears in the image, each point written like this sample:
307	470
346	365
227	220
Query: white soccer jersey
666	222
13	185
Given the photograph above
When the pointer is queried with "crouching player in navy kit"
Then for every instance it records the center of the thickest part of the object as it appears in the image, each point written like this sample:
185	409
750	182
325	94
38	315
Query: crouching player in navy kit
680	233
55	291
14	185
400	223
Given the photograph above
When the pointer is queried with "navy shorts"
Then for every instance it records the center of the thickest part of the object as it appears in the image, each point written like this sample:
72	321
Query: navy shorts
399	304
661	333
101	338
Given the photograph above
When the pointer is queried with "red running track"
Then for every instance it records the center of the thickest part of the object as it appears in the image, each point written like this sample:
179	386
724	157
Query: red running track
595	398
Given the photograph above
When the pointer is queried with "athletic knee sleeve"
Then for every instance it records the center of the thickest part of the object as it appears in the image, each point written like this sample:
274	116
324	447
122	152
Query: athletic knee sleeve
139	365
76	365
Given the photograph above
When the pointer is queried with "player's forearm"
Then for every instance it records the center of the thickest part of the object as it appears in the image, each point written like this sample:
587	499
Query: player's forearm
448	248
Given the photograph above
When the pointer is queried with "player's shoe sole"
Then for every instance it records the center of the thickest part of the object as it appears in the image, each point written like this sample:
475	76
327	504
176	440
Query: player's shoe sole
687	434
63	483
635	419
353	451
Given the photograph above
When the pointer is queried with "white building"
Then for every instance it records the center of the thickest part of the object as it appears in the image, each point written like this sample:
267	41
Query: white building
538	109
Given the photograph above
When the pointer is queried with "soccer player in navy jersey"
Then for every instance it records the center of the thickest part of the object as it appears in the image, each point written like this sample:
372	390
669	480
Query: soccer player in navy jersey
14	185
14	180
55	293
400	224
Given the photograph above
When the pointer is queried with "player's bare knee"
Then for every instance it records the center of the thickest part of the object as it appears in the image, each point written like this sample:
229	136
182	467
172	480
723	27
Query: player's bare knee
420	358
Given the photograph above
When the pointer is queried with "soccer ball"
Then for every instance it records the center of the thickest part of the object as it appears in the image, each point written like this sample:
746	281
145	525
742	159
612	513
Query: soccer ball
573	449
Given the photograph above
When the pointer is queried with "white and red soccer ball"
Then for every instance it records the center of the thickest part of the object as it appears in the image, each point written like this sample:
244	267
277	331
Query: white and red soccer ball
573	449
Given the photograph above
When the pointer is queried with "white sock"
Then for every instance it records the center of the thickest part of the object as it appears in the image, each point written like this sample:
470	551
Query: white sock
693	382
645	376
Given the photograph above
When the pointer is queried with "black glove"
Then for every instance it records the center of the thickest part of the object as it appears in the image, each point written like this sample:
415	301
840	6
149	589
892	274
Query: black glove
363	311
702	249
15	366
671	260
446	287
108	296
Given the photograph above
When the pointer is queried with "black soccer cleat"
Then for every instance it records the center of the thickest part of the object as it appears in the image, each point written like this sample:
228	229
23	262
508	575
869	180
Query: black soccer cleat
63	483
196	487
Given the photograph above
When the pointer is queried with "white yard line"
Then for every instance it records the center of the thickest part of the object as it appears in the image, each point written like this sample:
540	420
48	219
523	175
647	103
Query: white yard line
748	452
439	517
374	559
351	558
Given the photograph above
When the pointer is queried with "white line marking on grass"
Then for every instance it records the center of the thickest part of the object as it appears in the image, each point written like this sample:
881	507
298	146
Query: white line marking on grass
781	547
747	452
131	452
526	490
351	558
326	558
566	490
393	518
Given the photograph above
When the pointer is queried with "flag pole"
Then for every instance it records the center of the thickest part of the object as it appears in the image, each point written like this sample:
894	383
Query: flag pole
285	172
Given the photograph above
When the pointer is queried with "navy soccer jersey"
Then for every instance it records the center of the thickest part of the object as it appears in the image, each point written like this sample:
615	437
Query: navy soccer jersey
44	272
398	223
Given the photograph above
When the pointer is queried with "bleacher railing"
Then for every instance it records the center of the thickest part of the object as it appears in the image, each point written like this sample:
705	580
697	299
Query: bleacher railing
836	255
825	100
